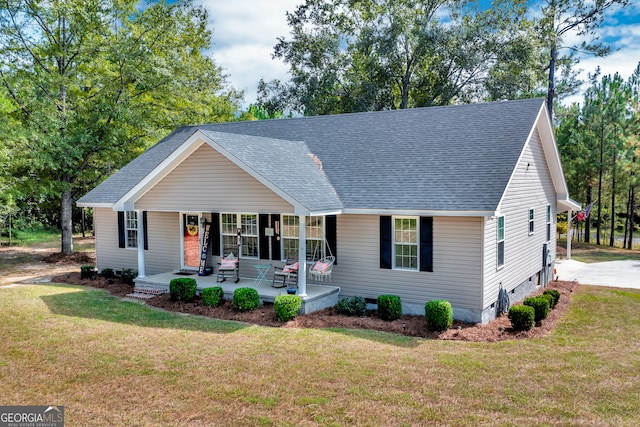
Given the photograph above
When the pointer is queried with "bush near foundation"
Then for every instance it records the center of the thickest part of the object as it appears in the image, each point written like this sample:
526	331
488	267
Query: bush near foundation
287	307
183	289
522	317
246	299
354	306
540	305
213	297
555	294
438	315
389	307
127	275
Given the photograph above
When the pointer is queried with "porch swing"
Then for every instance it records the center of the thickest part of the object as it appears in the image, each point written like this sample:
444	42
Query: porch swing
321	269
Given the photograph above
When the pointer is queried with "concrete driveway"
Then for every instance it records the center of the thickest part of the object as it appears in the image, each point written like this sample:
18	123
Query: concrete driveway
620	274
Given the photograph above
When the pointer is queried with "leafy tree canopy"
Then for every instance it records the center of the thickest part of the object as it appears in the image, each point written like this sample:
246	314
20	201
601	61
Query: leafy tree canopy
96	82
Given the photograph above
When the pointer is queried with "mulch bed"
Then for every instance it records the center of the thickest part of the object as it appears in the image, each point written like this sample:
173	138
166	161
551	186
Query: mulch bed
496	330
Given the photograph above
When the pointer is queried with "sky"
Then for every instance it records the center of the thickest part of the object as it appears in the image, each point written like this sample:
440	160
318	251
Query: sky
245	32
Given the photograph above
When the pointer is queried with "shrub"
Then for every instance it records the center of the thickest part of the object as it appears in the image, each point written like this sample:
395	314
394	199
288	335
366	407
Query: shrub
354	306
182	289
389	307
522	317
246	299
549	299
213	296
127	275
87	272
541	306
108	273
287	307
438	314
555	294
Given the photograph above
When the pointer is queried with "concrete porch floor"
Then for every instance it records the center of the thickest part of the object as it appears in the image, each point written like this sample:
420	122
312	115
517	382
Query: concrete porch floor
318	297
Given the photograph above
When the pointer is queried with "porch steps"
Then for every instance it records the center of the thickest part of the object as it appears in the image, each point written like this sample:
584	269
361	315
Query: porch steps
145	293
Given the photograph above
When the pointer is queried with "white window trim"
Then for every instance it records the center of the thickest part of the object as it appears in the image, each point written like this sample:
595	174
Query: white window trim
127	229
532	221
307	234
393	243
238	216
498	241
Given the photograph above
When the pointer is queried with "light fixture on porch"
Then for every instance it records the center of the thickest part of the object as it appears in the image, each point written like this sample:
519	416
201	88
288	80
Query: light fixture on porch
203	221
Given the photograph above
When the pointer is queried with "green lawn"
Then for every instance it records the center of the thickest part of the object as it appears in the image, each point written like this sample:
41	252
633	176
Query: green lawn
111	362
590	252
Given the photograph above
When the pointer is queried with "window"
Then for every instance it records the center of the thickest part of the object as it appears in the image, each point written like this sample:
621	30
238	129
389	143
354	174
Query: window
249	231
248	226
531	222
500	241
131	229
314	232
405	243
548	223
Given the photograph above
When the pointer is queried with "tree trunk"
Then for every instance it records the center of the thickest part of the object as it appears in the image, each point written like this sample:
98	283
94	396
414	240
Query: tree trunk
66	221
551	93
626	219
613	198
632	217
600	171
587	221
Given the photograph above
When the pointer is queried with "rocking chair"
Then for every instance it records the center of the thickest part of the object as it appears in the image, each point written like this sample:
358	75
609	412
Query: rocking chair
286	276
228	267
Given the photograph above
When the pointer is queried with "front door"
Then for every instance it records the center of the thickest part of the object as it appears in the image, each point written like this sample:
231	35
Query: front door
190	240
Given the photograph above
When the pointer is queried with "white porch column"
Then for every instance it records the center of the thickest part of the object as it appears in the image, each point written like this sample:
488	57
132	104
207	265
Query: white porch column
302	258
569	233
141	272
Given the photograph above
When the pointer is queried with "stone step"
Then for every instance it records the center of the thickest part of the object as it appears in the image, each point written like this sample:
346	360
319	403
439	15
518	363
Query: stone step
145	293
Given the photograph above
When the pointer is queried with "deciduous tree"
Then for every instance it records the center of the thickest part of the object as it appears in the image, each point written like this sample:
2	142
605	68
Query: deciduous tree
96	82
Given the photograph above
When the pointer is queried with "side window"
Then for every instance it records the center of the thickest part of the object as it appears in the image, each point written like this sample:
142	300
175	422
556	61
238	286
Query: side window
500	241
405	243
549	223
131	229
531	221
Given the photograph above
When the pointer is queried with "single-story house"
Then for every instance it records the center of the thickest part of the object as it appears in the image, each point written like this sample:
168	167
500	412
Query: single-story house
450	202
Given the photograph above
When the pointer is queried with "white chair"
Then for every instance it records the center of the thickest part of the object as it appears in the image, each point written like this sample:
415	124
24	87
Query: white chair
322	268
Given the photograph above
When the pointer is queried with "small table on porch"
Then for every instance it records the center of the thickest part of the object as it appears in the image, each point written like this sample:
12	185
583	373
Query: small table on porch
262	273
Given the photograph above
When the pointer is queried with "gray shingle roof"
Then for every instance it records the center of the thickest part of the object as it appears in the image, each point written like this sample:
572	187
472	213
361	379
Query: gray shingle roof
438	158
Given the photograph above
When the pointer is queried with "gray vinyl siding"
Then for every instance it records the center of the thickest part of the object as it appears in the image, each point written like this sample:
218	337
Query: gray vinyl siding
457	244
164	242
208	182
108	254
530	187
163	237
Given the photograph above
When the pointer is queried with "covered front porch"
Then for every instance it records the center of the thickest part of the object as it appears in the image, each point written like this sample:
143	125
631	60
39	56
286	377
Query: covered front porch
317	297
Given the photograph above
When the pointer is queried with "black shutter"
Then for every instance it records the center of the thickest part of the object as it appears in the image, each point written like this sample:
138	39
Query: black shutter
122	242
385	242
263	241
275	239
332	237
214	233
144	230
426	243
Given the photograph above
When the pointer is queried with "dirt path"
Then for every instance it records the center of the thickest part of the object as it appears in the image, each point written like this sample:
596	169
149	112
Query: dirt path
36	263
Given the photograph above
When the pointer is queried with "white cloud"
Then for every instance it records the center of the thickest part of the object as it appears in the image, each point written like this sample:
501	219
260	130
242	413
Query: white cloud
245	32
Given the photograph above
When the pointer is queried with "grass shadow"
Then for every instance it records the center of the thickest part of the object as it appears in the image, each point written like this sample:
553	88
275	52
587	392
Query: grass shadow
381	337
98	304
